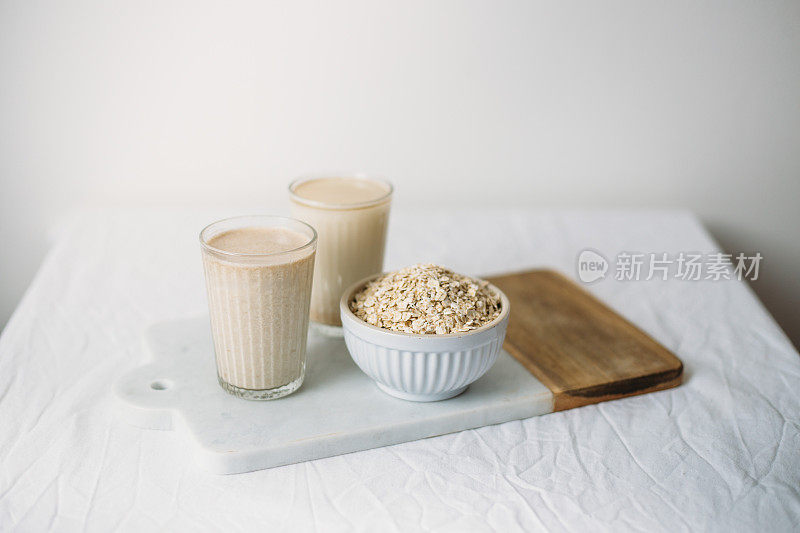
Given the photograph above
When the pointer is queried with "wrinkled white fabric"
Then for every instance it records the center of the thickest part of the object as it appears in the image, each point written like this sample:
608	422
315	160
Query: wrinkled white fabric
721	452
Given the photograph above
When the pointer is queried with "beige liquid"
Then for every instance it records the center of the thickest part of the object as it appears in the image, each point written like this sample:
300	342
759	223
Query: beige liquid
351	217
341	191
259	305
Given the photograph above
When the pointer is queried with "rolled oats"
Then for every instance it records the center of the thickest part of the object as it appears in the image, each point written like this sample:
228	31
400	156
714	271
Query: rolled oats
426	299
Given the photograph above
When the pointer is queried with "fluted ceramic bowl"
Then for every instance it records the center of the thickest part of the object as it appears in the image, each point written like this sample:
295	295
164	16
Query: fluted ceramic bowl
422	368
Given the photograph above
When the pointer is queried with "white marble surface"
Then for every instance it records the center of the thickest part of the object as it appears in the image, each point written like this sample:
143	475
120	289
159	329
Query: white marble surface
337	410
718	453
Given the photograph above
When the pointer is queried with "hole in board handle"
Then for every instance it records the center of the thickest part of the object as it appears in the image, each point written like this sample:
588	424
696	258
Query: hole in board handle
161	384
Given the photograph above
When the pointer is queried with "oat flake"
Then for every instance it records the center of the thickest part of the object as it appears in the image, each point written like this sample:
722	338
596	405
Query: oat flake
426	299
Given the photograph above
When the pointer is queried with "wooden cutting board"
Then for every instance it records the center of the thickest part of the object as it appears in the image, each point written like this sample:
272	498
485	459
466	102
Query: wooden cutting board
577	347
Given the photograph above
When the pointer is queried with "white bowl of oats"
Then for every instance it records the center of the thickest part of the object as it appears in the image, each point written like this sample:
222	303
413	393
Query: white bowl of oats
424	333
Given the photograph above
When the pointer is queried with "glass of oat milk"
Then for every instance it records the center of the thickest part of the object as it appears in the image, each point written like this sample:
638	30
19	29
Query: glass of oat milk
258	272
351	215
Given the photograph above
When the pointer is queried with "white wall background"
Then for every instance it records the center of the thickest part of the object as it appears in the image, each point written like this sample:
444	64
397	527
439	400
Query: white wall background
584	103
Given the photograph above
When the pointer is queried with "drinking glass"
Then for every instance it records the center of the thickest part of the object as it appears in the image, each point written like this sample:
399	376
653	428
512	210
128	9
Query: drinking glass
352	240
259	308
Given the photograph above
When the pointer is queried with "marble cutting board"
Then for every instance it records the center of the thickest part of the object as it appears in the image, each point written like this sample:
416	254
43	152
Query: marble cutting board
337	410
568	348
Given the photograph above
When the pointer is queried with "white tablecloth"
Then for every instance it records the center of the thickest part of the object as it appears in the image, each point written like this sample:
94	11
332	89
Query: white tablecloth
721	452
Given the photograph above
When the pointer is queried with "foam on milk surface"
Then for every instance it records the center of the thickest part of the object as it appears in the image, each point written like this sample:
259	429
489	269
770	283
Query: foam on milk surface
341	191
255	240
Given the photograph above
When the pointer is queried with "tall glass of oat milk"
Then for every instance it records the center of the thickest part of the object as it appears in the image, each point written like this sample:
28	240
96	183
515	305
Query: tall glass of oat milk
258	273
351	215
